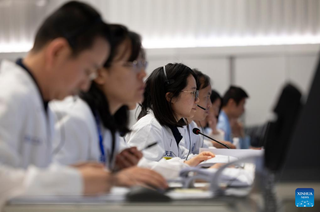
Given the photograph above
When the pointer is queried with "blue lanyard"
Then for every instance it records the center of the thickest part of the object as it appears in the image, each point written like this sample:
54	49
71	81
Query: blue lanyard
103	155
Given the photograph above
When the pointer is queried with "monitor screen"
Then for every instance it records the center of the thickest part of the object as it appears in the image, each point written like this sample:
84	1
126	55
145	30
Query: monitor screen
302	162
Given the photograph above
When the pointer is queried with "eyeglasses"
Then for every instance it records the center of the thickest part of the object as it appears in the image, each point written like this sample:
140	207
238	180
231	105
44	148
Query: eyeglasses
195	93
137	65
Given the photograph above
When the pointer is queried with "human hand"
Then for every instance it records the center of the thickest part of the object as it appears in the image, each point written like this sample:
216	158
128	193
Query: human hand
87	164
237	128
199	158
96	179
219	146
128	157
255	148
136	176
212	122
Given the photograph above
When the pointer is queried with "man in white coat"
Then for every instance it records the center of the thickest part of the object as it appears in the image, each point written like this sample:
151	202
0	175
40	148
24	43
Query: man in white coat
69	47
58	65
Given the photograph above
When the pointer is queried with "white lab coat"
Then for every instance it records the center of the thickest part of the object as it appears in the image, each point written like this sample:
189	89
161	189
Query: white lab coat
196	141
77	133
147	131
26	133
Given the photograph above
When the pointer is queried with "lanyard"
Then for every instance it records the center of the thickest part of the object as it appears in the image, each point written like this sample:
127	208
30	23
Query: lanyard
20	63
102	152
45	103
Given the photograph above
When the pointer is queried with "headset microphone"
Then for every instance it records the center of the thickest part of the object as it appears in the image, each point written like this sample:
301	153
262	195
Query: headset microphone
201	107
197	132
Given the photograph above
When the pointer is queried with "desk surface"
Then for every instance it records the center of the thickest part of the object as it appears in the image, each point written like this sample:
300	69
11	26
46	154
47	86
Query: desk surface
285	193
139	207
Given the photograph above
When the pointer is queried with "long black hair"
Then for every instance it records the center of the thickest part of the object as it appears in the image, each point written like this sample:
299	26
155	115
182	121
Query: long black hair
96	98
158	84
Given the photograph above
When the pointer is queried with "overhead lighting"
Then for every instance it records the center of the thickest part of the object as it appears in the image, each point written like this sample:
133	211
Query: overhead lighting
193	43
230	41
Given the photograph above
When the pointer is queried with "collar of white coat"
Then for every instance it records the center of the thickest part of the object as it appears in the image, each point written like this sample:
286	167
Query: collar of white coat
8	67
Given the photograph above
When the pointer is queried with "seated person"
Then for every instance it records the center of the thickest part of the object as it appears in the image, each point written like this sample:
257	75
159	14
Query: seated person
90	125
58	65
170	95
192	141
232	108
211	123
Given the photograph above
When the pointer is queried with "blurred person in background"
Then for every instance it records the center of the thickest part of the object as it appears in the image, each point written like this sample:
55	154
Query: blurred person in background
233	106
211	122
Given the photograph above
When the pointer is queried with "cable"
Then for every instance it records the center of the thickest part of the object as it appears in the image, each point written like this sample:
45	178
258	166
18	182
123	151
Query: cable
189	138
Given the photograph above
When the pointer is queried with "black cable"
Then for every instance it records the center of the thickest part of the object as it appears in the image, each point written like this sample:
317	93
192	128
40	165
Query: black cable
189	138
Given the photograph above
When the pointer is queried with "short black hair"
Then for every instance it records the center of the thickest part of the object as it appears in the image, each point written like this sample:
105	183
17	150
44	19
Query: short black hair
95	97
158	84
203	79
214	96
77	22
235	93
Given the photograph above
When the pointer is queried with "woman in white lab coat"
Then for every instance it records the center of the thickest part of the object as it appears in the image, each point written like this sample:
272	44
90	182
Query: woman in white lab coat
199	118
171	94
195	142
89	125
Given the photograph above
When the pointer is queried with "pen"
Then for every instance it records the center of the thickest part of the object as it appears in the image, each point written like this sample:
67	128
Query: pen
150	145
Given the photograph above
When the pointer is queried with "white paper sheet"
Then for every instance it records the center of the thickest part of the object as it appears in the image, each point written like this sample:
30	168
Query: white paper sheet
218	159
238	153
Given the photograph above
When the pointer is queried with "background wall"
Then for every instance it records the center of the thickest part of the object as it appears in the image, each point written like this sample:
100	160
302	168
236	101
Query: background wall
262	71
256	44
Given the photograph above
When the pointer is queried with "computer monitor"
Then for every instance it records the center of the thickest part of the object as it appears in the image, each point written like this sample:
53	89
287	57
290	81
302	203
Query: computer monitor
279	132
302	163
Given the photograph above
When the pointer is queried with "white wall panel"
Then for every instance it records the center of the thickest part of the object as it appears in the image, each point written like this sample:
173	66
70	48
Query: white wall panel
216	69
262	78
259	69
301	70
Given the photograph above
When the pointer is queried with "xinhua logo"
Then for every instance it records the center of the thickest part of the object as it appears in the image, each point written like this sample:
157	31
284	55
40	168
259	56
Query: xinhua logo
304	197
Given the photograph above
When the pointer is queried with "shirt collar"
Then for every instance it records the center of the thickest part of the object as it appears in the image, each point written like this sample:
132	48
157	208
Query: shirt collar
20	63
176	134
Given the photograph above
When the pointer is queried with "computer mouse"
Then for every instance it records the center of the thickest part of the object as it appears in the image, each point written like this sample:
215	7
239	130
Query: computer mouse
143	194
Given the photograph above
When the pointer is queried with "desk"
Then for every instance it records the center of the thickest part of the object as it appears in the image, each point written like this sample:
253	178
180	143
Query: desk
139	207
285	193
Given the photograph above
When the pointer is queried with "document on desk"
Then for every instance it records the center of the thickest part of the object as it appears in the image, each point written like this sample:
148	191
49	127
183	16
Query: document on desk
237	153
194	194
117	194
217	159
